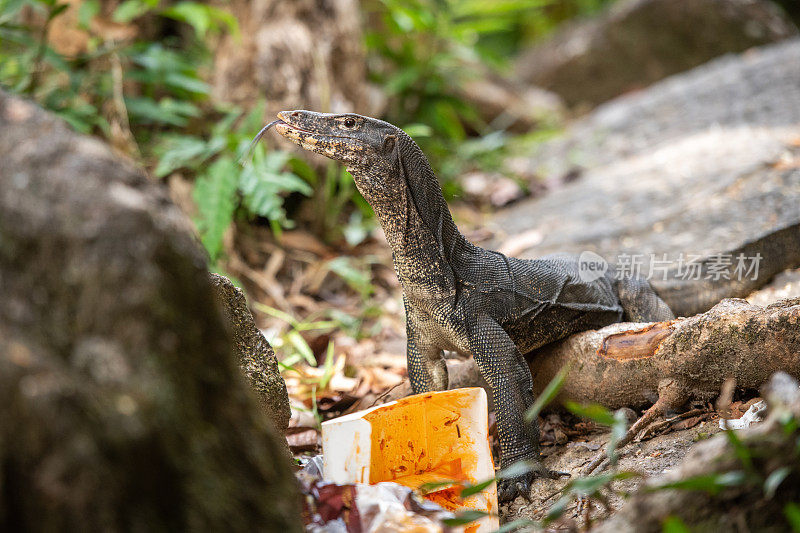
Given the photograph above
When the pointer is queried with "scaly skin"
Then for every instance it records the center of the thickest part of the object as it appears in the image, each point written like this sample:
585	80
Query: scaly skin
461	297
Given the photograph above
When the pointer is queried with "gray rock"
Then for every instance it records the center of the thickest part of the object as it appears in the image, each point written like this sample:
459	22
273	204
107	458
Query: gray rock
256	357
698	163
638	42
121	404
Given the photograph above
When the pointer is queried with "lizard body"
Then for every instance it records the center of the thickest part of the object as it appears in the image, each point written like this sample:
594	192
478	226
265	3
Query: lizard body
461	297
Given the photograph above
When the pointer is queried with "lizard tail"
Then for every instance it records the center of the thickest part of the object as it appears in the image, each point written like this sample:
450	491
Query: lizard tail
693	289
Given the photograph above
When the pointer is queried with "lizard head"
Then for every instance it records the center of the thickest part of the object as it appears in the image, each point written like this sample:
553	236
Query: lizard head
367	146
388	168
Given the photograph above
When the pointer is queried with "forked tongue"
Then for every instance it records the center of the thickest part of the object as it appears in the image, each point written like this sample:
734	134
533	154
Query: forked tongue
245	159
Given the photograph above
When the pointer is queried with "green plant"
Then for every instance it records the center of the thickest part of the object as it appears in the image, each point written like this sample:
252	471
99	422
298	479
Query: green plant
293	338
149	98
111	84
257	186
423	52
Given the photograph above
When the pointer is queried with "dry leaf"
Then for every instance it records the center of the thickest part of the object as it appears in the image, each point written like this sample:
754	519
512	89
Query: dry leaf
513	246
304	441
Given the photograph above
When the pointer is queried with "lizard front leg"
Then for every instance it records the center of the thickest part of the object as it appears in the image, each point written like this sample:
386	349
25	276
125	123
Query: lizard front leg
427	368
505	369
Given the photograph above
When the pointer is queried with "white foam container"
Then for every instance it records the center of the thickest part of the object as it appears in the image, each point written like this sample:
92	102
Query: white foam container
423	438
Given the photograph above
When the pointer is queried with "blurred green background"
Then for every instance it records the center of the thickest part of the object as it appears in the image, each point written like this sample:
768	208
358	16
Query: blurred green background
140	78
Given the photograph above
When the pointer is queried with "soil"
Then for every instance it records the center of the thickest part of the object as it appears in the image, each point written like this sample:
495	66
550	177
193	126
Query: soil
649	457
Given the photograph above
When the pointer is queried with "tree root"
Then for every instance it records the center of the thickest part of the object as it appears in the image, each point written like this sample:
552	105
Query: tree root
726	481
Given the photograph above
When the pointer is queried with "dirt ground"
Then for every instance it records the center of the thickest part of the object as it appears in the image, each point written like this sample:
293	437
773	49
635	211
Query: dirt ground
649	457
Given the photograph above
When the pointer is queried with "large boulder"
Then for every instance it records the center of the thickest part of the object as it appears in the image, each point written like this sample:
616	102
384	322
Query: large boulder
121	404
698	163
638	42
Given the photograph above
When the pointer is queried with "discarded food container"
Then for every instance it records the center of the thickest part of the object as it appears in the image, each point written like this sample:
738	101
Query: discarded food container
426	438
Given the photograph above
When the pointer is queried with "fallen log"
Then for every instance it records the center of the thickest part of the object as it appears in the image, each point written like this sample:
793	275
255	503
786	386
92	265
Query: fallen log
669	363
664	364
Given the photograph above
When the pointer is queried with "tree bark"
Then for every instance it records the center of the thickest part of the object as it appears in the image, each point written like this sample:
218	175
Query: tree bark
631	365
301	54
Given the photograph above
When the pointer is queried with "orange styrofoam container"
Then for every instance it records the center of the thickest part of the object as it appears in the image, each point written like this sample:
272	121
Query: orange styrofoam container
431	437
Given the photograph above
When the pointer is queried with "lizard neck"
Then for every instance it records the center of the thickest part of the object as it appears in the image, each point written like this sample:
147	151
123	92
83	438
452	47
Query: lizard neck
424	239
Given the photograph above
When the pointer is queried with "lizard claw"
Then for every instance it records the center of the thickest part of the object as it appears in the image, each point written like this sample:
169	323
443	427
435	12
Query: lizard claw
509	489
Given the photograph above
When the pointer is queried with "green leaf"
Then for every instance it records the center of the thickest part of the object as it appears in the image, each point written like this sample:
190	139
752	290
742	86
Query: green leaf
418	130
433	486
593	411
674	524
583	487
516	469
178	151
742	452
87	10
557	509
358	279
548	394
9	9
277	313
448	120
187	83
302	347
470	490
328	367
618	430
263	184
57	10
357	229
169	111
464	517
288	362
202	17
215	195
588	485
402	80
710	483
792	513
517	524
131	9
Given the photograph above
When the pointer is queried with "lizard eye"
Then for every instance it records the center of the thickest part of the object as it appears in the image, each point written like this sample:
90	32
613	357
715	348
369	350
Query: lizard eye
350	123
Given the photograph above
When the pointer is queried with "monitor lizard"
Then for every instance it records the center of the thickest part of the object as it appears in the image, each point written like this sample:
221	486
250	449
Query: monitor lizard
479	302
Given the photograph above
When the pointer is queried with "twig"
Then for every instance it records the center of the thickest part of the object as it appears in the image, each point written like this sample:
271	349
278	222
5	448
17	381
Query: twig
40	51
656	410
650	431
385	394
123	123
